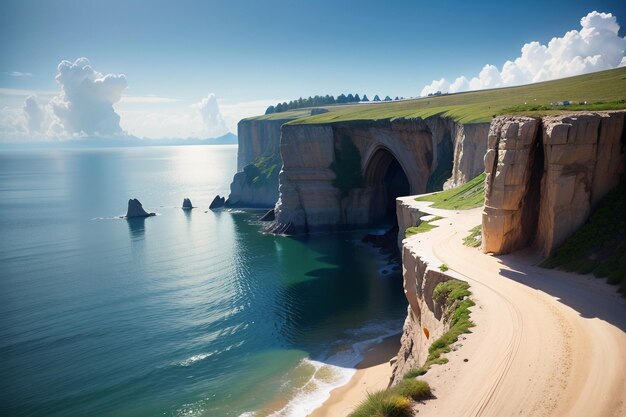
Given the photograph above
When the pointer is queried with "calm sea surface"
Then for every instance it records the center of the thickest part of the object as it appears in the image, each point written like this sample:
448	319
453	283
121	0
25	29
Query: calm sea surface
183	314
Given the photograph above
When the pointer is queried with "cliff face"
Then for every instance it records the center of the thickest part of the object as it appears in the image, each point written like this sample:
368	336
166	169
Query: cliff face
257	138
259	142
426	317
315	195
545	176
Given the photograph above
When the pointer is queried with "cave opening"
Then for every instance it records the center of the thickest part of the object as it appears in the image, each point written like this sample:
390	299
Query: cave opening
388	181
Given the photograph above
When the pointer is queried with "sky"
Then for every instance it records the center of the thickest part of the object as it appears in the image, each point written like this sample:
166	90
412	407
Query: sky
172	69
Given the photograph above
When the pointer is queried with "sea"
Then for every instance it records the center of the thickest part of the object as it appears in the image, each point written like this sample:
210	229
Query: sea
187	313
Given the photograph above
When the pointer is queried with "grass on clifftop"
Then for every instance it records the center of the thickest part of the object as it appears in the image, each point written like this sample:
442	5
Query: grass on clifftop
599	247
474	239
467	196
601	90
455	296
395	401
423	227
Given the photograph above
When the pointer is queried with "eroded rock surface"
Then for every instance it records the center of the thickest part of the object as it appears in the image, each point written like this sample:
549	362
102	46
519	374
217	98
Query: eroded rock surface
545	176
508	164
425	150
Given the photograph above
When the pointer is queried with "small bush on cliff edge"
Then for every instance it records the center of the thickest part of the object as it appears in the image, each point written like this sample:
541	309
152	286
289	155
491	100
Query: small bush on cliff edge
347	166
384	404
394	401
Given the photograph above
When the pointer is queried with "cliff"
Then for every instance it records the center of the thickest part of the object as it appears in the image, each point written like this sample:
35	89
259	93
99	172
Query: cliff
428	316
349	173
258	163
546	175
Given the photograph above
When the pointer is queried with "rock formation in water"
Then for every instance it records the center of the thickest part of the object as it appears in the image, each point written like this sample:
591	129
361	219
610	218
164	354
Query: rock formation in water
218	202
545	176
187	204
135	209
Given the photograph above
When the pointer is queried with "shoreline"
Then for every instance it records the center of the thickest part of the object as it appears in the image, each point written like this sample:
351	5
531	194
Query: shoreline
372	374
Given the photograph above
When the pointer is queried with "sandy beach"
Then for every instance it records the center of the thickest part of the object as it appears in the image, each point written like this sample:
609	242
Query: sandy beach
373	374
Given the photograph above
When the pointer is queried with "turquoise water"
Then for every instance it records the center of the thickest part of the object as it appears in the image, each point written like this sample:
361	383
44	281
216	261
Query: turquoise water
183	314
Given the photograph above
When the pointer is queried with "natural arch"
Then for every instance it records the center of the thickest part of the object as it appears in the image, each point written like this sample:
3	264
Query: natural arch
386	179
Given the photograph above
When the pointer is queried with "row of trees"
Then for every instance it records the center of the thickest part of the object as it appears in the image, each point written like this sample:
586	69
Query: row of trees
323	101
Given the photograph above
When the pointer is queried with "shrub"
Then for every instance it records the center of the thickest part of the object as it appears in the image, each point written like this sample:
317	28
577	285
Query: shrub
414	389
414	373
384	404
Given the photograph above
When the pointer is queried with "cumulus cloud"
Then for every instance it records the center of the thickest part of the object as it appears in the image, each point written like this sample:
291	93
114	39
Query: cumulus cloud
595	47
33	114
211	117
85	105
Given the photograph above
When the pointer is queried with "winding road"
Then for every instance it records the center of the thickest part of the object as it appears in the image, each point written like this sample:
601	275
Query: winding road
547	343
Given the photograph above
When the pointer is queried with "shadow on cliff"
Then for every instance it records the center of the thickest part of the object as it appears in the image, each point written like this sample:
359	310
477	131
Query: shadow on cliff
590	297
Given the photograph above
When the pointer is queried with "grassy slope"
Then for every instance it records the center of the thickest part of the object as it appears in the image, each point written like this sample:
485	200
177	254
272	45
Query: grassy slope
599	246
467	196
479	106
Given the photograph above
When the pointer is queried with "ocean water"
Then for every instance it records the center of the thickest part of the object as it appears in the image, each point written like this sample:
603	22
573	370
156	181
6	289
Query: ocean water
183	314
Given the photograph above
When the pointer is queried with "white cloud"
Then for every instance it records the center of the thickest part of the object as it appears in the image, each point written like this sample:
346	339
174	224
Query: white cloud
17	74
595	47
85	105
149	99
209	110
33	113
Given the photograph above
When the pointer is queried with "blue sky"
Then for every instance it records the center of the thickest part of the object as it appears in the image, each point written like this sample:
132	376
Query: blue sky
252	53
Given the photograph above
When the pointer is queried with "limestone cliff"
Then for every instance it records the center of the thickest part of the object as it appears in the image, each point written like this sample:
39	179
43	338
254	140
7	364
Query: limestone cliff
258	150
545	176
426	319
318	193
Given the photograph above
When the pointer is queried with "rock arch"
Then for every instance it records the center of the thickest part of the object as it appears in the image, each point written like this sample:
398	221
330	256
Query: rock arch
386	178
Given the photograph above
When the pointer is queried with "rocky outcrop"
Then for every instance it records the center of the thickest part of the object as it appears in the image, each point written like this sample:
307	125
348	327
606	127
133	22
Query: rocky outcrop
310	195
244	192
257	139
509	163
135	209
218	202
545	176
187	204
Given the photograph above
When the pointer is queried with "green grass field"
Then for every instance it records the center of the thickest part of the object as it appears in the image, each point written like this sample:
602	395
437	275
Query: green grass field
602	90
467	196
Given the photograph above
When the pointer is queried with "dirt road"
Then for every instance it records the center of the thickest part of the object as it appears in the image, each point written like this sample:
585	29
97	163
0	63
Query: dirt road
547	343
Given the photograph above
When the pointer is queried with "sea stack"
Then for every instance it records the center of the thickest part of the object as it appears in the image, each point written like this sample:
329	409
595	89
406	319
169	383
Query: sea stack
135	209
218	202
187	204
